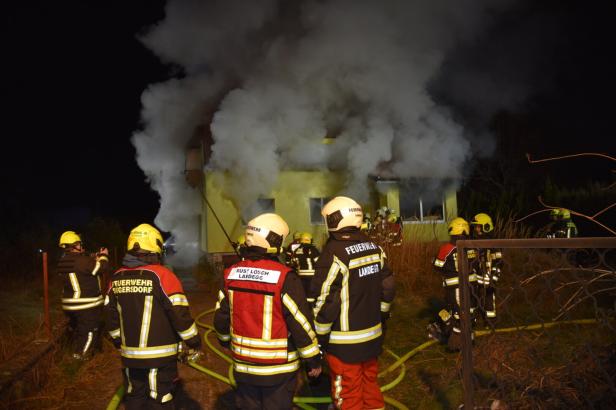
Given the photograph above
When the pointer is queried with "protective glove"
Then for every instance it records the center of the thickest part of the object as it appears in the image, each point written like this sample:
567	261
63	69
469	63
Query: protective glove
313	367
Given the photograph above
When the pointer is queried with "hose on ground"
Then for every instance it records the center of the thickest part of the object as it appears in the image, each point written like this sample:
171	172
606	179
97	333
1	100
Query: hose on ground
304	402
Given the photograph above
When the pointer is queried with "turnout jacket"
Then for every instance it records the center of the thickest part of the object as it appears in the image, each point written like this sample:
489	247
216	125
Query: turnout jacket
489	263
82	280
303	259
562	229
262	314
354	289
446	263
148	314
288	253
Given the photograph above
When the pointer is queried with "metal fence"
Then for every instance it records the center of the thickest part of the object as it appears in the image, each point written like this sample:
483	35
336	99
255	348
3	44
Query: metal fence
553	342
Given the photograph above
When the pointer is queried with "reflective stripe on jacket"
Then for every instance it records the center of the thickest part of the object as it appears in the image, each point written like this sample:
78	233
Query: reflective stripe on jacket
353	289
446	263
148	314
262	312
82	282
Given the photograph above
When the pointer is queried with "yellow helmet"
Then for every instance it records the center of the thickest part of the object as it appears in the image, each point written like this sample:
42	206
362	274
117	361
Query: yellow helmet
267	231
241	240
484	221
297	236
69	238
306	238
458	226
392	218
342	212
560	214
147	238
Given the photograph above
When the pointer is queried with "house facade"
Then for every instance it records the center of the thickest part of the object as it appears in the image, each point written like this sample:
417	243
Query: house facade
298	197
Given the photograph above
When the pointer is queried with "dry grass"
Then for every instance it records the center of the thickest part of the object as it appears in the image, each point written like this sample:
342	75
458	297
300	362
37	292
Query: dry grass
543	371
412	264
77	385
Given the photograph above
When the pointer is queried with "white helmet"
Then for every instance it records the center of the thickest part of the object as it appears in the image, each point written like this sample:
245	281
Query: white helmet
342	212
267	231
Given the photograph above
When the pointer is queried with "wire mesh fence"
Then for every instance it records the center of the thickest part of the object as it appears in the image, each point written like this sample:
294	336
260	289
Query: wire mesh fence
549	340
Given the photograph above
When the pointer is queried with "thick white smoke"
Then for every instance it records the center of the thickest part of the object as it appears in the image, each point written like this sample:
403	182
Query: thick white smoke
354	70
171	112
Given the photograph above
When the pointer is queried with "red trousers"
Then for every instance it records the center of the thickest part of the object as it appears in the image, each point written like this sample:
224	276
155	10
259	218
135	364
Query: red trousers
354	385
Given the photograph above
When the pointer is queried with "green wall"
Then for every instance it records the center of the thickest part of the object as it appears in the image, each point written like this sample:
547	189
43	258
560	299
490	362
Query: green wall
291	195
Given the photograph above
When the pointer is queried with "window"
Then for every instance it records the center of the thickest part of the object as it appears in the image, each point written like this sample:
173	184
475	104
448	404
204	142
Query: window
316	204
421	205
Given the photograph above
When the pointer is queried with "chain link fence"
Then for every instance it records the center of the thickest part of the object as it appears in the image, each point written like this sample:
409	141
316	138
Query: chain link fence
552	342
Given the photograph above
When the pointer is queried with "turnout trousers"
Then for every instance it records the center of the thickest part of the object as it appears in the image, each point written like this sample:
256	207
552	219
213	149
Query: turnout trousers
85	328
150	388
354	385
277	397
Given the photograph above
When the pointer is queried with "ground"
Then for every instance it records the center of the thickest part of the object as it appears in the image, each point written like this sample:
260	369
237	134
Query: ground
543	368
58	383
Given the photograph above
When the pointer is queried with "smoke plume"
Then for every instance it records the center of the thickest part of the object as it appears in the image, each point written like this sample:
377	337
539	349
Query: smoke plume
280	76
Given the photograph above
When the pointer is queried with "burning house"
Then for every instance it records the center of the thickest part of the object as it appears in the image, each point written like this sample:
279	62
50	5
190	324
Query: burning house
264	81
423	206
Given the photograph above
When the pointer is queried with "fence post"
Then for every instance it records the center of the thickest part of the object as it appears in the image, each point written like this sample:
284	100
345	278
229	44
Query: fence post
46	296
465	326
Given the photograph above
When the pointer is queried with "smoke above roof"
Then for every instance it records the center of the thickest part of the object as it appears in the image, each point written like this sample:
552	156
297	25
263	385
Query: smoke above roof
280	76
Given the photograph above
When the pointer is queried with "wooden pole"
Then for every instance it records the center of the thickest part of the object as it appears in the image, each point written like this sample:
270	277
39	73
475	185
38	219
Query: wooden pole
46	296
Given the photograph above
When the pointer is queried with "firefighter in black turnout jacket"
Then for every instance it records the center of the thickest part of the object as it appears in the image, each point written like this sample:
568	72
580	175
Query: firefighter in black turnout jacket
147	317
263	316
291	247
354	290
447	328
82	299
303	260
488	267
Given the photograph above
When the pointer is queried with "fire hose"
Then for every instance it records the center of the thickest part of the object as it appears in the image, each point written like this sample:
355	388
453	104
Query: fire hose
304	402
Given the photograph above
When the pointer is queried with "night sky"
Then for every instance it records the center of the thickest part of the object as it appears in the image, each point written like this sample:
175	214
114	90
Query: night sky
73	73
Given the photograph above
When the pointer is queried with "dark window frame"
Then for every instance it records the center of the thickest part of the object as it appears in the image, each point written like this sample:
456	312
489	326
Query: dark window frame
318	219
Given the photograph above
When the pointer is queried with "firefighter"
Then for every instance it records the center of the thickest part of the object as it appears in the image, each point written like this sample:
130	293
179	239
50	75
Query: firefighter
263	317
447	327
379	227
291	247
561	226
82	299
488	262
148	317
304	259
394	229
354	289
366	225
